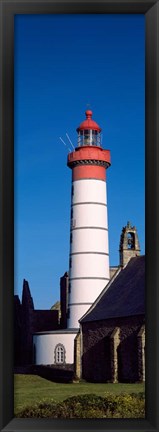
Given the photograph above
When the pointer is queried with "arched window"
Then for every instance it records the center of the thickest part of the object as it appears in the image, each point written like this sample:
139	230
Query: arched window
59	354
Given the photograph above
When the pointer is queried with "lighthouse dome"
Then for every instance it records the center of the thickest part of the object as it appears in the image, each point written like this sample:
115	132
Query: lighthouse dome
88	132
89	123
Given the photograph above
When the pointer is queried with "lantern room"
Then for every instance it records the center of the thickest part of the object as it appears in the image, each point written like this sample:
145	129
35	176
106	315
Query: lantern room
89	133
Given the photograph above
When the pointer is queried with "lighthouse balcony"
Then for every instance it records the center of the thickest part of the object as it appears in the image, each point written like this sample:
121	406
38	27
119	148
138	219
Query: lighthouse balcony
90	155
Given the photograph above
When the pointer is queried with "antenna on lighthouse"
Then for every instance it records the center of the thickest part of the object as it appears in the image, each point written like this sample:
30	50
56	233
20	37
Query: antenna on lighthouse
70	141
65	144
63	141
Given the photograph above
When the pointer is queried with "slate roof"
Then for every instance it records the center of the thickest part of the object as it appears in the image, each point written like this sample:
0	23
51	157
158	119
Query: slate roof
124	297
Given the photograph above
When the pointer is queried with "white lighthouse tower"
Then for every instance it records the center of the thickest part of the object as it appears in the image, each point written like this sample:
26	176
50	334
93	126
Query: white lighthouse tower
89	249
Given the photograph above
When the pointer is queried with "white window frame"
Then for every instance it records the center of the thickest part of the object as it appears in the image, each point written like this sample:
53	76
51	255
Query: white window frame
59	354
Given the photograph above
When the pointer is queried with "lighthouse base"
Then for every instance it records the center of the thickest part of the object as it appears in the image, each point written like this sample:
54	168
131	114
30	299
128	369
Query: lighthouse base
54	347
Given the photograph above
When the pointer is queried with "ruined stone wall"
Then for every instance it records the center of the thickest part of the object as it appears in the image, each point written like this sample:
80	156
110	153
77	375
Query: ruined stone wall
45	320
17	331
28	321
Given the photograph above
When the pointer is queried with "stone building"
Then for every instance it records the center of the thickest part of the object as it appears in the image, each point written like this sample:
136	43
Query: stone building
113	330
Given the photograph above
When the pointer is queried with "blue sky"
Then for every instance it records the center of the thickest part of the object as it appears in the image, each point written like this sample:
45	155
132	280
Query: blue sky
62	64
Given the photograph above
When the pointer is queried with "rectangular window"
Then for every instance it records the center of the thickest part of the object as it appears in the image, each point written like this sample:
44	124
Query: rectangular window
73	223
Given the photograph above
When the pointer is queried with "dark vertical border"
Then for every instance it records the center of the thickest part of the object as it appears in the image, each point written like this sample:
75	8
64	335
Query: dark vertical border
6	220
152	213
7	11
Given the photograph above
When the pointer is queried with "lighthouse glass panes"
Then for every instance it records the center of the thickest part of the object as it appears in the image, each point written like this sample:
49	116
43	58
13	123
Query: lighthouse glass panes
89	137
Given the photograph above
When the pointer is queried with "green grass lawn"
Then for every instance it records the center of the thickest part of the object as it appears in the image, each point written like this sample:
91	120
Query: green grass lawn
29	389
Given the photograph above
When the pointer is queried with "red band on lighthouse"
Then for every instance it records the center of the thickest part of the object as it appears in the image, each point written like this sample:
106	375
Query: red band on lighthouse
88	153
88	171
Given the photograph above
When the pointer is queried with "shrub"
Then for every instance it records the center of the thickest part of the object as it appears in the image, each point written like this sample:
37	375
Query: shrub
90	406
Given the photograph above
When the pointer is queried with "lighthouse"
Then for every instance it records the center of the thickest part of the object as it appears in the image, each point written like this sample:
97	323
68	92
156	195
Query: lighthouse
83	286
89	248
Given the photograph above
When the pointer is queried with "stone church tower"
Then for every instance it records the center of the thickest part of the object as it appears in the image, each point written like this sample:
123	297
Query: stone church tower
129	244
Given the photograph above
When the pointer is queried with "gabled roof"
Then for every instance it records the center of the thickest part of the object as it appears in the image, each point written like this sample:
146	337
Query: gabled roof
125	295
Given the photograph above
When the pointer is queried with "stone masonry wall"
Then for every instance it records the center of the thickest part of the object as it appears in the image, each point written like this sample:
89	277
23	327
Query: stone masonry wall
110	350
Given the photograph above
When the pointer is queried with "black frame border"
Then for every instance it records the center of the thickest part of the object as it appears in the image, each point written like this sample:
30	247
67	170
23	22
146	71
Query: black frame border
150	8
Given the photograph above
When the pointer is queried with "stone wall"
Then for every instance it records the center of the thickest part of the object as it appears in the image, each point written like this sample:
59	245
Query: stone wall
77	356
141	353
55	374
112	351
113	270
